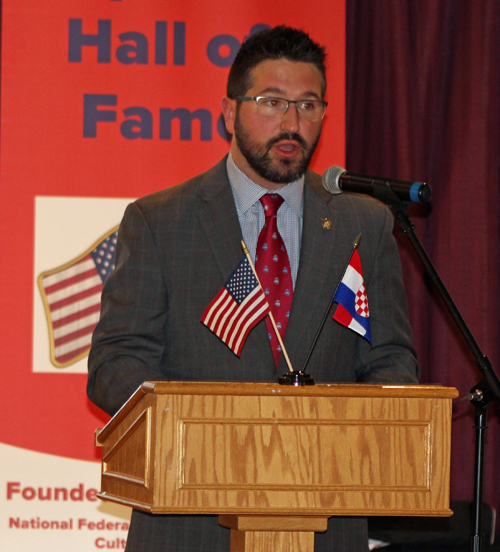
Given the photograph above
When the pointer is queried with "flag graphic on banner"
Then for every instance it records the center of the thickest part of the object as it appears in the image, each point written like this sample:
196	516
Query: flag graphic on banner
72	299
239	305
352	310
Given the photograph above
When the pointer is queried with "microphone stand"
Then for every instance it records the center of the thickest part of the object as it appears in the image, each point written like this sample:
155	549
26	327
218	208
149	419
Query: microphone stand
481	395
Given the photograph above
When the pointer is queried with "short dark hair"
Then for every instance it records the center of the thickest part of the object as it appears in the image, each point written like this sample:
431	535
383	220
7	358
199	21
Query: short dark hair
280	42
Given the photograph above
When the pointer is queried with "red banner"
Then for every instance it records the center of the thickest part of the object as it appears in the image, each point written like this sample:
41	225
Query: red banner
103	101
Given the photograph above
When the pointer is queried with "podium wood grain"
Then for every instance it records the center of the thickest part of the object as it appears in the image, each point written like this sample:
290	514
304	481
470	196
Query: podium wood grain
264	449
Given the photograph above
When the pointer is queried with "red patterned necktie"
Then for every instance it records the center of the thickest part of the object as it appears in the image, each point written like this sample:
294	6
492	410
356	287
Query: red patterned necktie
273	268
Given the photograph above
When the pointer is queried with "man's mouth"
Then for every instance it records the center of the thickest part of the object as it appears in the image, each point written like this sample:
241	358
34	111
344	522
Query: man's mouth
287	145
287	149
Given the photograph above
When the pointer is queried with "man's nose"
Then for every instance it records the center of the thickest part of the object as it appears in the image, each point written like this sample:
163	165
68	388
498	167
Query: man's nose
290	120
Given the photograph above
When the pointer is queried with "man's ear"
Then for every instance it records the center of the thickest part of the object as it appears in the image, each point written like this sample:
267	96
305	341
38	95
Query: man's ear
229	111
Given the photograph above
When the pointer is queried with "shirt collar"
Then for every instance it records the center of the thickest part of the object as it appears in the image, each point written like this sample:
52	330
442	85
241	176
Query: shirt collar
246	192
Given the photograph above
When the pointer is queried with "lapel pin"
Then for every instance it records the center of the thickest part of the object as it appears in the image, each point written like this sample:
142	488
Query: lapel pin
326	224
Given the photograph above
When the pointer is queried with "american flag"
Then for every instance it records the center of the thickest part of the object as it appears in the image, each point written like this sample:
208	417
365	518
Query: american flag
239	305
72	299
352	310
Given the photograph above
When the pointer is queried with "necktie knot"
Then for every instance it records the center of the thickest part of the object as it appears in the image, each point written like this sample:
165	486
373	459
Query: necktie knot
271	204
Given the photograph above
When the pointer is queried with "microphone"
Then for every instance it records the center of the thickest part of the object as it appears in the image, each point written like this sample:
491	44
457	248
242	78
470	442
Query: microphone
337	180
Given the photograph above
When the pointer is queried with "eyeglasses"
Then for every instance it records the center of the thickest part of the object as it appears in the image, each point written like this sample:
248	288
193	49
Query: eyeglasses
311	110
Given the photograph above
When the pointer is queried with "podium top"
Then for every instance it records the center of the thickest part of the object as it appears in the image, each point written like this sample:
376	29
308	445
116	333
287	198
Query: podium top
274	389
318	390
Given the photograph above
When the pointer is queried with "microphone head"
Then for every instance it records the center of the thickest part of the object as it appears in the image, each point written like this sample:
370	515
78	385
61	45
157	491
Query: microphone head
331	179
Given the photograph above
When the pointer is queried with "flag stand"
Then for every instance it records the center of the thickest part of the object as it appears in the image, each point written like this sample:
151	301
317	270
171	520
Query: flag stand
293	377
300	377
297	377
327	311
487	390
271	317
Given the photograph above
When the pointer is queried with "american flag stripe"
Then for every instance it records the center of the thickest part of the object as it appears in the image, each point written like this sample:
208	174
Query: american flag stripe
244	331
72	298
222	305
72	340
78	297
76	316
89	304
70	357
238	306
71	290
69	281
226	323
84	265
75	348
73	327
241	314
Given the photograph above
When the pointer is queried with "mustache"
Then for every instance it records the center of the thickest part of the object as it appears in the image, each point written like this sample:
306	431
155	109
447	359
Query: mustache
287	136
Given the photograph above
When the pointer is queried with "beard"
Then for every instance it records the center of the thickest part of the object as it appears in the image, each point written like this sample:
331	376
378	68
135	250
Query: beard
258	156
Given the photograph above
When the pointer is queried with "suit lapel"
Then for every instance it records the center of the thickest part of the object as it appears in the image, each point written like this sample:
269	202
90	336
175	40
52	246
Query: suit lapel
219	219
220	223
323	255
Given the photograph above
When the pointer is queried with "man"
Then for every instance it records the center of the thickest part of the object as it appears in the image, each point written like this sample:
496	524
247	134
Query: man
177	247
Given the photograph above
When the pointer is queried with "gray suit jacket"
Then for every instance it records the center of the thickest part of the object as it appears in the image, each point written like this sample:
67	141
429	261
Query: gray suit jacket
176	248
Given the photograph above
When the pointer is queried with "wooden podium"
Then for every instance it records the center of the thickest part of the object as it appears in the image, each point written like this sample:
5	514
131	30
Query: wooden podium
275	462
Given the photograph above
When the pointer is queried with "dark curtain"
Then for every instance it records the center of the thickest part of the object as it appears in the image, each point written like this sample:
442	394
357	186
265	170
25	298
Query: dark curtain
423	102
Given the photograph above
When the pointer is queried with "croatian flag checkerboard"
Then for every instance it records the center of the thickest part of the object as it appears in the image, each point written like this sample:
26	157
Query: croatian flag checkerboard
239	305
352	310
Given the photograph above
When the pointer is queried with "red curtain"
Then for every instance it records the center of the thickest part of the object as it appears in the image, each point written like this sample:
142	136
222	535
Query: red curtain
423	102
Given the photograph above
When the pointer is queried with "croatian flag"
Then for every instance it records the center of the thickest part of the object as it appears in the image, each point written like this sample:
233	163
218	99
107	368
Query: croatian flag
237	308
352	310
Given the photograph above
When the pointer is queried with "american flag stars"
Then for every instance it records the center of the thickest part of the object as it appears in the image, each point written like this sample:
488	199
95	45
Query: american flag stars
242	282
104	256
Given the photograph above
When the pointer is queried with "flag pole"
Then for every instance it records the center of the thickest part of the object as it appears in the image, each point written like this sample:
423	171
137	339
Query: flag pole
325	316
271	317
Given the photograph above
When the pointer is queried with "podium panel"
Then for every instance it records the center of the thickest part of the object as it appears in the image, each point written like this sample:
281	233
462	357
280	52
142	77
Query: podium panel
252	449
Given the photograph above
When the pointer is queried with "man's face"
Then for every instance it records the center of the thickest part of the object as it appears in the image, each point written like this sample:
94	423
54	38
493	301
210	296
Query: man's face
277	150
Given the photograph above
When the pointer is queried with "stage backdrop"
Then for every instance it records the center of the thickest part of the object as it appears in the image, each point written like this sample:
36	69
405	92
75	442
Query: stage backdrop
102	101
423	90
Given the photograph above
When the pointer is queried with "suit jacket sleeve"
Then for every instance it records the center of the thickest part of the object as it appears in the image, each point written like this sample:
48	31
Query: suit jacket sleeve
127	344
